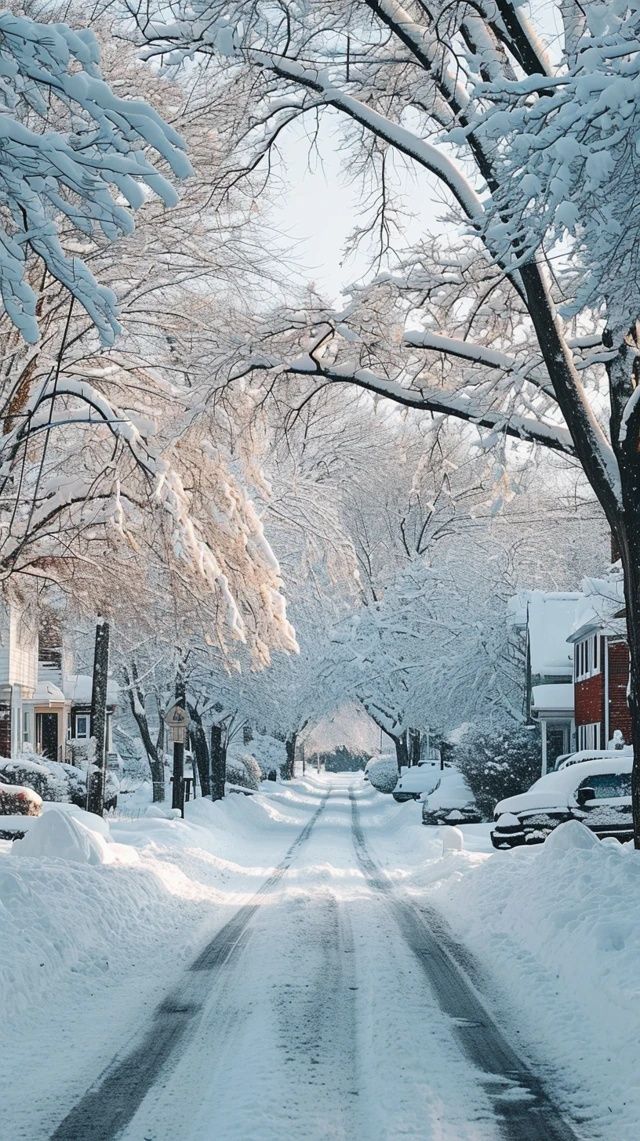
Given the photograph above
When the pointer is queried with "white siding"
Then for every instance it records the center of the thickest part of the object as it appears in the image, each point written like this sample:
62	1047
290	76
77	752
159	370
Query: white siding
18	648
4	645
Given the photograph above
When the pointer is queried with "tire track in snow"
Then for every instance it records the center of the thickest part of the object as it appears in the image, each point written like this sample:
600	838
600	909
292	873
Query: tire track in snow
315	1014
524	1111
109	1105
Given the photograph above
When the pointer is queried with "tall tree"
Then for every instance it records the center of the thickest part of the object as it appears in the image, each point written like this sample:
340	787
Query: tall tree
528	325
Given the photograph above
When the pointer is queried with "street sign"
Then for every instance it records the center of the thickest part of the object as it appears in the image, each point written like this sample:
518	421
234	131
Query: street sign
177	721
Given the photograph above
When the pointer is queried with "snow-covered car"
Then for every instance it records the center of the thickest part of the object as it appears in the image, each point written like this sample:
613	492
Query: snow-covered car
417	780
16	801
597	793
451	801
566	759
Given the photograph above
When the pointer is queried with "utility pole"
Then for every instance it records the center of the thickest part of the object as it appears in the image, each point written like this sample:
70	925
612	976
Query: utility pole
218	762
98	721
177	799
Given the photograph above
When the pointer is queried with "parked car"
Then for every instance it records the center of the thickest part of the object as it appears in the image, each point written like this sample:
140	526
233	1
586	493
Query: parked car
451	801
16	801
566	759
420	778
598	793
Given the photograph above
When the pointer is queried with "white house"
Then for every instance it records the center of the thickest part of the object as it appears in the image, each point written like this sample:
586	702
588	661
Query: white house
546	619
43	702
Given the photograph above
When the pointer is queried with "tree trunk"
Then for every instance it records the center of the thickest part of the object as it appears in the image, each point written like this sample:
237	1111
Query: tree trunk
290	746
177	798
414	741
218	762
97	768
629	543
153	751
200	749
402	751
624	376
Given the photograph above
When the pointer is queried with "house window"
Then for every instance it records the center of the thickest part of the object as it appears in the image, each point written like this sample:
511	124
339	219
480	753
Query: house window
589	736
82	726
26	727
587	657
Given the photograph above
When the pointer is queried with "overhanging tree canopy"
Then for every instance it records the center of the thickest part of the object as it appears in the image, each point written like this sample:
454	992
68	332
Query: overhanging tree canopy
528	325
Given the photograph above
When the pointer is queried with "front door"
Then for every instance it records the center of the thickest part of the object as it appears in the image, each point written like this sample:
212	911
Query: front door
47	734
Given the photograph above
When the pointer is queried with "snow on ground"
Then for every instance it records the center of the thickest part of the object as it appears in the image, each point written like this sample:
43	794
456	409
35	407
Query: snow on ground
323	1026
92	936
555	930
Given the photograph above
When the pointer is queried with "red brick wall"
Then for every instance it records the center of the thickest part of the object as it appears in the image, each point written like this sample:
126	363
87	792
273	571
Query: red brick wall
619	717
589	700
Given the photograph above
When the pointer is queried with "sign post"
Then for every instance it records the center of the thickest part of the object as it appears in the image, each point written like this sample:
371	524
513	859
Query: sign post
177	722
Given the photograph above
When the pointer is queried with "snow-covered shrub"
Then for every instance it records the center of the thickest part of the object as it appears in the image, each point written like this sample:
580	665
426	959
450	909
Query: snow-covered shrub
254	770
237	773
266	752
383	772
54	781
498	762
45	777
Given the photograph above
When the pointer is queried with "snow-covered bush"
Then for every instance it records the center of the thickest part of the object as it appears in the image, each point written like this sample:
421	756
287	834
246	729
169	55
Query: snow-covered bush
45	777
265	752
54	781
498	762
383	772
254	770
237	773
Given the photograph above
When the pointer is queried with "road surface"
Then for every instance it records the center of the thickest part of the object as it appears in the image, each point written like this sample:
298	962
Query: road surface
328	1007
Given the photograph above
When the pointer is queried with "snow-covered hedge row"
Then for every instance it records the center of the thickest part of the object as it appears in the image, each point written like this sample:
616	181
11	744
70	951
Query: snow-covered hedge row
383	772
497	763
244	771
264	756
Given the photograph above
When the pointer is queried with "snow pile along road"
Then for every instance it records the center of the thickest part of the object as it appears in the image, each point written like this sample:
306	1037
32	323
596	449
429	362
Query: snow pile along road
559	926
555	931
90	936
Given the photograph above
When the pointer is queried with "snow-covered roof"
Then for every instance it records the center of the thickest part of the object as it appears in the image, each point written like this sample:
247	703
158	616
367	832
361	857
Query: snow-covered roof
552	698
551	620
79	687
600	601
47	694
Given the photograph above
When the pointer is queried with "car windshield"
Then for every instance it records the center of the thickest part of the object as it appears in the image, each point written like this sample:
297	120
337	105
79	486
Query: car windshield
609	785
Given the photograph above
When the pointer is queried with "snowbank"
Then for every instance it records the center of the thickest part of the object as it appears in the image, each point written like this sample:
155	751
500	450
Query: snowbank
558	927
555	930
98	918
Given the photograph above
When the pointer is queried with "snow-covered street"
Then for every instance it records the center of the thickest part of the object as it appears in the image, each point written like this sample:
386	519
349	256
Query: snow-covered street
319	571
324	1006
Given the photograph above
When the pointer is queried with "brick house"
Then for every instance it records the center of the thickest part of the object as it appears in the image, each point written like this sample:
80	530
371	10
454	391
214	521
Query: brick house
577	665
601	680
